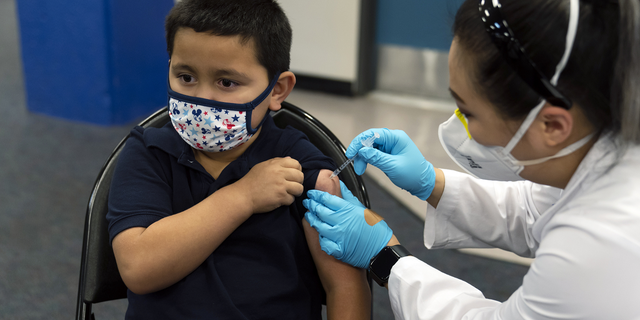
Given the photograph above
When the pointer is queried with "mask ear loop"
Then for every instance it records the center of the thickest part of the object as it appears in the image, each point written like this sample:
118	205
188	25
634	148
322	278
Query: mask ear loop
258	101
574	16
566	151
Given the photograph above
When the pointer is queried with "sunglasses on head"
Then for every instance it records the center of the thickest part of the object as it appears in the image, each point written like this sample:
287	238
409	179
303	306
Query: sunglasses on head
510	48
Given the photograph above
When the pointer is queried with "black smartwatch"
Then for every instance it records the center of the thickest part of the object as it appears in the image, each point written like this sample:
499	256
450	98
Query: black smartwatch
380	265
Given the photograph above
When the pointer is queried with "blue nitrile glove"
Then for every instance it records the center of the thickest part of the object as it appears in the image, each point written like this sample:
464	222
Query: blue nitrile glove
344	233
398	157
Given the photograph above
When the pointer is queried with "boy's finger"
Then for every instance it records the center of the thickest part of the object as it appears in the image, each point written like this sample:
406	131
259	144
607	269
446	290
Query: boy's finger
294	175
294	188
289	162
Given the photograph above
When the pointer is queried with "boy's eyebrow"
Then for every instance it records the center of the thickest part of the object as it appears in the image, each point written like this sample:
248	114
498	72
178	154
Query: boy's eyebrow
230	72
455	95
217	73
182	66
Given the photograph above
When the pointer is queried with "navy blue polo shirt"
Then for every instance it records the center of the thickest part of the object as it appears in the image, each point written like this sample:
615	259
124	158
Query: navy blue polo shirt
263	270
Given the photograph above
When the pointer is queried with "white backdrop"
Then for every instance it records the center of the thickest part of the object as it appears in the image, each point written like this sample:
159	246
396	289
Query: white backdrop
325	37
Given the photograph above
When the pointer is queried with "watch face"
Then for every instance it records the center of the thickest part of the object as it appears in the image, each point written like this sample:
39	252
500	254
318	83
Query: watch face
384	262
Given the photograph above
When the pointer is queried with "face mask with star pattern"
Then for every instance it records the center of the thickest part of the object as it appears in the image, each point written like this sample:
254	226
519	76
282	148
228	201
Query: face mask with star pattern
214	126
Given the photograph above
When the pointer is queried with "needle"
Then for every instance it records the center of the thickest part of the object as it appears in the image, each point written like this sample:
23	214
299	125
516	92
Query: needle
366	143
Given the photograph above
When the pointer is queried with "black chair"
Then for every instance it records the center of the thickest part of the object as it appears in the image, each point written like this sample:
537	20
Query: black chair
100	280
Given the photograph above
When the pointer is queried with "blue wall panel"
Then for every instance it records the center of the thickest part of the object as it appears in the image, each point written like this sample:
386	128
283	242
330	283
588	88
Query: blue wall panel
416	23
64	54
139	59
102	62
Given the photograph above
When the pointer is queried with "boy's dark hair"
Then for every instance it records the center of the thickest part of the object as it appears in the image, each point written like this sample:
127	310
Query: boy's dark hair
260	20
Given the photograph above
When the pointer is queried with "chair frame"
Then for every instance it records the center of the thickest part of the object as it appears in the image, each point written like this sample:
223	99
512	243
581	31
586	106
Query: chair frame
88	293
94	286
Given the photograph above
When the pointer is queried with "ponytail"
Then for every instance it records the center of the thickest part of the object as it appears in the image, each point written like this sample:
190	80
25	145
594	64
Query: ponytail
626	85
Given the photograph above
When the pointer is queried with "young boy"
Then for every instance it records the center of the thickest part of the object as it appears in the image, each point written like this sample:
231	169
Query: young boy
205	216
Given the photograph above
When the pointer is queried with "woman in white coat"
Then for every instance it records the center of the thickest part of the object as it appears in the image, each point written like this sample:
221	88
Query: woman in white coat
549	94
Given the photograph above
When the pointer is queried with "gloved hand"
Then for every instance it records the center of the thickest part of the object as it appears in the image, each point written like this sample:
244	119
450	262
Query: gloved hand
398	157
344	232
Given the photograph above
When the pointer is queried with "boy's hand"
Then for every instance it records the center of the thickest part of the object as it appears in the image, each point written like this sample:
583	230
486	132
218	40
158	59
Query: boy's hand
273	183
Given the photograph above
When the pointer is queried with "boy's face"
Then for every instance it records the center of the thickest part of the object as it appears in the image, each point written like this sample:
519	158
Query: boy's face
218	68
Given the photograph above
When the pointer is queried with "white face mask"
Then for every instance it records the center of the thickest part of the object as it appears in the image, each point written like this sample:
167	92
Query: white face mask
495	162
214	126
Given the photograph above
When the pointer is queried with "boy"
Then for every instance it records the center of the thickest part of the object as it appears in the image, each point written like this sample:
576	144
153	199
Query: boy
203	215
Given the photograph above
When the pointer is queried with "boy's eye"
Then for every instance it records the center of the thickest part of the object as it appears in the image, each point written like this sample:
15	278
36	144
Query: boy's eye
228	83
186	78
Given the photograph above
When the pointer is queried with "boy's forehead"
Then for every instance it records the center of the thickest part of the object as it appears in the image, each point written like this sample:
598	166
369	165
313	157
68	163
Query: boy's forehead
191	47
208	37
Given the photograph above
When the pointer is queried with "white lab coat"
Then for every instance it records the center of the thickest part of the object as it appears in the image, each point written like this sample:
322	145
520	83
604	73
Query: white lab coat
585	239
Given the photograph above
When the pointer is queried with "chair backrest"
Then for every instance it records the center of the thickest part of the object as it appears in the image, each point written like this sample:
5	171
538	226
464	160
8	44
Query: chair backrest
99	277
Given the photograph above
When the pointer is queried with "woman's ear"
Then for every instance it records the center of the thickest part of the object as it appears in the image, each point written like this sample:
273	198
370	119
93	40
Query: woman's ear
282	89
557	124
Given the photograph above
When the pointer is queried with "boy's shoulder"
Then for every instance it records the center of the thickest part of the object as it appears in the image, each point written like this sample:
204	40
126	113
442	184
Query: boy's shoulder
280	140
285	133
289	141
164	138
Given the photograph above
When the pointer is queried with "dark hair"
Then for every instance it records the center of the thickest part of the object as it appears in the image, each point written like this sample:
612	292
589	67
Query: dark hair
602	74
260	20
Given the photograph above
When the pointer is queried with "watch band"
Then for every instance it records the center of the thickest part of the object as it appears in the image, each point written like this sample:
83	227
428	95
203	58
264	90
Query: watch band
380	265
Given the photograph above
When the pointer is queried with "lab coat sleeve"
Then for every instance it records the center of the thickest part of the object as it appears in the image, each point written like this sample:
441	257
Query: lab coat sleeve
419	291
476	213
583	270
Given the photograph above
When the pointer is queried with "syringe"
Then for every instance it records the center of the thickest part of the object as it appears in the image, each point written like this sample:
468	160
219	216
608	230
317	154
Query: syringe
367	143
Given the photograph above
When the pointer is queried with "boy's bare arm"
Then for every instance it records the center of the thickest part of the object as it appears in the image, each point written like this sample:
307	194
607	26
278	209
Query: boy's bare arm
153	258
348	293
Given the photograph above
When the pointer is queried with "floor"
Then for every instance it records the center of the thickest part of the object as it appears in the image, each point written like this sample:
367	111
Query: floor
48	165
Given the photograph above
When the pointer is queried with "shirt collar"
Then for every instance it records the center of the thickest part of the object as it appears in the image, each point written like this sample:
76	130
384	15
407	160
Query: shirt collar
169	141
600	158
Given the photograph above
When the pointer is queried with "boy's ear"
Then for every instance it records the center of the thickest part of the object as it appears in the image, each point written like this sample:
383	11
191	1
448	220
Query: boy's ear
282	89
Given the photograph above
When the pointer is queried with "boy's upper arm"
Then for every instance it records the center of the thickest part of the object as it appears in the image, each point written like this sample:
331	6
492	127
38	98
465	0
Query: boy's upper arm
323	183
332	272
139	194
